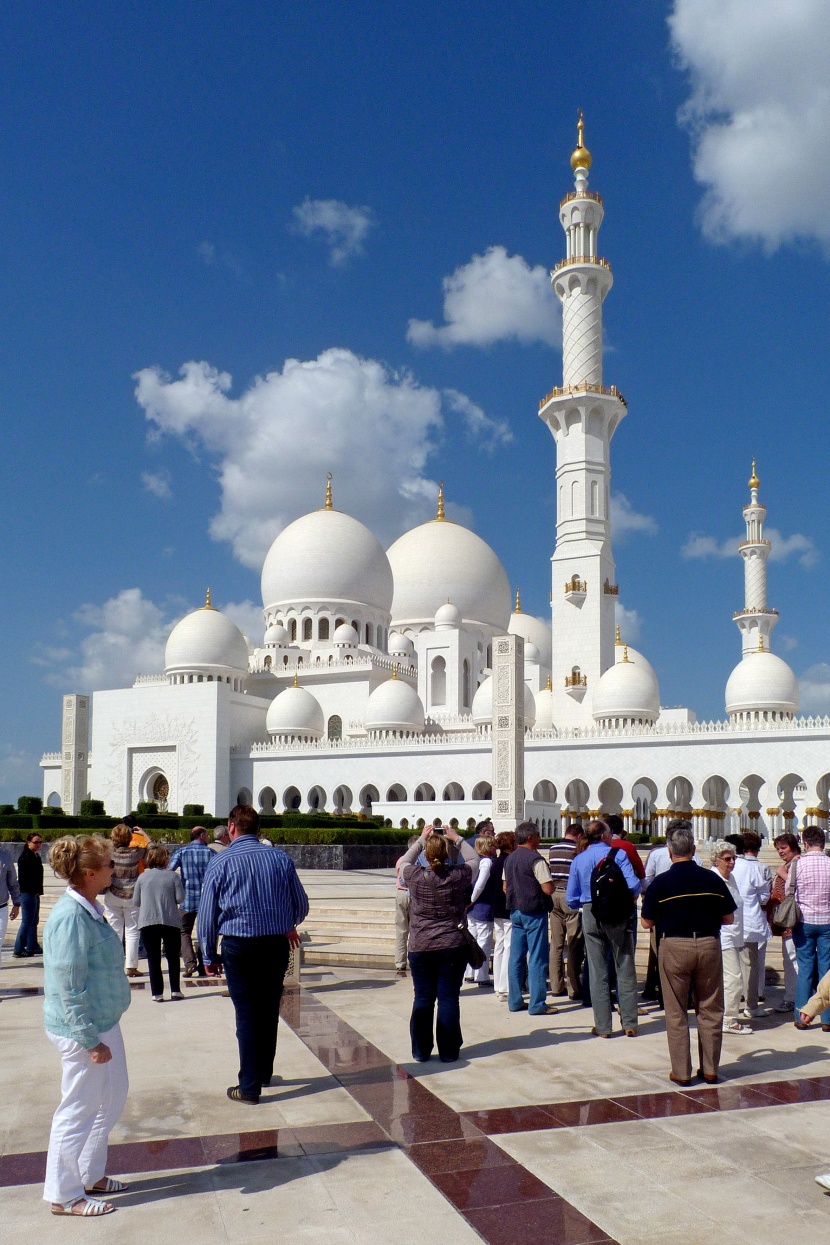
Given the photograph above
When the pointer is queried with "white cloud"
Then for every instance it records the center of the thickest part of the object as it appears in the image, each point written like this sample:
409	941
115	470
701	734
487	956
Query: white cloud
345	228
785	642
157	483
759	114
628	621
495	297
783	547
626	521
374	427
490	432
206	252
814	689
248	617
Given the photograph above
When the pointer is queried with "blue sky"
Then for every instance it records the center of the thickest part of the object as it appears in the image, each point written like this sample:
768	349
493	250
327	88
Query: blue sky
238	186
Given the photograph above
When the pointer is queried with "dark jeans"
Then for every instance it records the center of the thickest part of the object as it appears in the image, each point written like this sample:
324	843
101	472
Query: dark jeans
191	955
255	972
436	976
170	936
812	948
530	952
26	939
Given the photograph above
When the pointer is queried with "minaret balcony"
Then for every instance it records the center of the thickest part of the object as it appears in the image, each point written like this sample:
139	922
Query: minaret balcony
567	391
580	259
611	590
580	194
750	613
576	685
576	590
760	544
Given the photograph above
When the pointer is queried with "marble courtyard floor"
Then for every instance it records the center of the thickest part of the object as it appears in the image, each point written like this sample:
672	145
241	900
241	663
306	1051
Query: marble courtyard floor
539	1133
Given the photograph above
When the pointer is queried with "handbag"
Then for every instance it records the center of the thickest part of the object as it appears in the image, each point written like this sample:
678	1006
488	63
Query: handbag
788	913
475	955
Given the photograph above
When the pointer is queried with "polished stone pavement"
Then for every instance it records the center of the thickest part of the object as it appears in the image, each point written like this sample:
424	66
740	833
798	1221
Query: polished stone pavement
539	1132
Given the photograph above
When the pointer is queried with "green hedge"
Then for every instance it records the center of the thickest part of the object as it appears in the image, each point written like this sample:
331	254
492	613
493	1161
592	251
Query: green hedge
29	804
325	835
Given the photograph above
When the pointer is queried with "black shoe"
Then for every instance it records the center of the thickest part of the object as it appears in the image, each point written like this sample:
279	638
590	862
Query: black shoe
236	1095
19	955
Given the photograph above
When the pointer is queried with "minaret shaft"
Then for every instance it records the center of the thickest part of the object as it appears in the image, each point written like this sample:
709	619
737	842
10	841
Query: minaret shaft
755	621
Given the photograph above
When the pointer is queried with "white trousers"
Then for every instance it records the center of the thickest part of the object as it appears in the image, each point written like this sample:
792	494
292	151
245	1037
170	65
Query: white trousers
122	915
4	922
482	931
92	1099
790	969
735	980
501	953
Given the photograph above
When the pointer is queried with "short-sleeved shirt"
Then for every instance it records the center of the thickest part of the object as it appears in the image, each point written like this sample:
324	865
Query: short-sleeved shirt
688	900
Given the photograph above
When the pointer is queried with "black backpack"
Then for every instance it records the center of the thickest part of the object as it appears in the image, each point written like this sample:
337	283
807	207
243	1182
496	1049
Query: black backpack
611	900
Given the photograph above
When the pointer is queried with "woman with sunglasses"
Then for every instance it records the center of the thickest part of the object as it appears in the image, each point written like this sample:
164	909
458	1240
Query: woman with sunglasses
86	993
733	945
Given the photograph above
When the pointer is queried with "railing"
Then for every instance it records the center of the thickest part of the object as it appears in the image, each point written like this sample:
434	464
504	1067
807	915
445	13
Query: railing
580	259
576	586
743	613
587	387
743	544
150	680
580	194
49	758
611	590
576	680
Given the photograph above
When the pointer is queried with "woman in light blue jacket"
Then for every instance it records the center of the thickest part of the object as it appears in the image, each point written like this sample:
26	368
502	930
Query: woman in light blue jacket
86	993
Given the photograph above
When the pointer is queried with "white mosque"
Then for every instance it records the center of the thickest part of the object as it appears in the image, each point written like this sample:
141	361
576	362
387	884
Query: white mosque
371	689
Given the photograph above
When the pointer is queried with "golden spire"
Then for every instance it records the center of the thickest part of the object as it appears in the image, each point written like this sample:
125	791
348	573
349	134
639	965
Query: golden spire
440	511
518	602
329	504
207	605
618	637
754	482
581	157
761	648
549	684
296	682
394	670
625	652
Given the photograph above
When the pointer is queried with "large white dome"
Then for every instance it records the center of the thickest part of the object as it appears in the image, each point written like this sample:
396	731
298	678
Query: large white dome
326	556
482	707
544	709
394	706
441	560
628	690
534	630
207	641
760	683
295	712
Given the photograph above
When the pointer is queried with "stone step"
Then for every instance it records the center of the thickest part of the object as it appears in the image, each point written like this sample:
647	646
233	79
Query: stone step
343	955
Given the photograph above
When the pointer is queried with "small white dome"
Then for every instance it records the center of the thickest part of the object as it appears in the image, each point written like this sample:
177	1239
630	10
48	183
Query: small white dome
544	709
441	560
760	683
326	556
345	636
277	636
394	706
627	690
533	630
447	617
532	653
295	712
482	708
208	641
400	645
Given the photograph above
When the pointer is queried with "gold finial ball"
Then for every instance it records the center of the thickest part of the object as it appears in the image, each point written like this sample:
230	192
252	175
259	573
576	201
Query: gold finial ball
581	156
754	482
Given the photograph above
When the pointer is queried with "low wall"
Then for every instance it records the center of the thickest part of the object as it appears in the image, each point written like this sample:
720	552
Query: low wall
344	855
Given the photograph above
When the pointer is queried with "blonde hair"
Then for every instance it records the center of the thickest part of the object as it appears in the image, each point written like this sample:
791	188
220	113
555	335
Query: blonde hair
120	835
721	848
436	852
485	845
157	856
71	858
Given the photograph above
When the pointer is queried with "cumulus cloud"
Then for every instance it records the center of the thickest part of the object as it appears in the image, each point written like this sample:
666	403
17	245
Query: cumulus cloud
814	689
628	621
626	521
344	228
490	432
783	547
273	445
157	483
495	297
759	115
248	617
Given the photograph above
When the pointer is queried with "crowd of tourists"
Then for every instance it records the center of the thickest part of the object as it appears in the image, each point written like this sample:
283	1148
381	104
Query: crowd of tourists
493	911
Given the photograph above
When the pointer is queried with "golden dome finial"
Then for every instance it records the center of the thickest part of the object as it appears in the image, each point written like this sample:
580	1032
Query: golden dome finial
549	684
761	648
329	503
296	682
625	652
439	514
618	637
754	482
207	605
394	670
518	602
581	156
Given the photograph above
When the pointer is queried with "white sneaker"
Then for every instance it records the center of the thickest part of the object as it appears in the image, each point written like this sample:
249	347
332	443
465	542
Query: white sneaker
158	998
735	1026
824	1181
176	995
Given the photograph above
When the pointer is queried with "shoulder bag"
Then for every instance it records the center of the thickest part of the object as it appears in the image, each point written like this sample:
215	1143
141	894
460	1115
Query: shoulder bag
475	955
788	913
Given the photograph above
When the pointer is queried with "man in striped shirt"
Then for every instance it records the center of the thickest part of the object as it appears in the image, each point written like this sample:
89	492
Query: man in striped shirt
567	943
192	862
252	897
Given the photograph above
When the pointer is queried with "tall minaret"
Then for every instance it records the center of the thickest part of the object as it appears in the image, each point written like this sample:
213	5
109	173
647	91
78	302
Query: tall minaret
583	416
755	622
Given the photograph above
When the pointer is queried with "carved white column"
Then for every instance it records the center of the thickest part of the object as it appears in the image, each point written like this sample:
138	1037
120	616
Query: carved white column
508	732
74	753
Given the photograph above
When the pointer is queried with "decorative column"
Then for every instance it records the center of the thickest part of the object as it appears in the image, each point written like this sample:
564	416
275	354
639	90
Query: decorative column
508	732
74	753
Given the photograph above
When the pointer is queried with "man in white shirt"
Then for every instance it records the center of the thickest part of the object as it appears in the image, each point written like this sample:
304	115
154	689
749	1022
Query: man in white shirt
754	881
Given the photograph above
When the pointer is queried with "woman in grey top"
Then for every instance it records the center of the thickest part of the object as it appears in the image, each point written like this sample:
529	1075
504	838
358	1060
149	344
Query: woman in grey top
157	895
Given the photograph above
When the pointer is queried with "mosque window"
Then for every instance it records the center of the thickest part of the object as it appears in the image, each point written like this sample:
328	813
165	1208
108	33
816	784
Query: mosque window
307	627
356	625
323	629
292	630
335	727
267	662
465	683
489	656
438	682
339	623
369	637
594	498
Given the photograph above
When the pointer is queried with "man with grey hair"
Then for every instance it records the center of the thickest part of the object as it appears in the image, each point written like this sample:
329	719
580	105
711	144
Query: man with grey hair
688	905
221	839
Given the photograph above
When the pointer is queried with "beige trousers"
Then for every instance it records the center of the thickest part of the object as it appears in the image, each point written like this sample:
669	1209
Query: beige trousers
692	964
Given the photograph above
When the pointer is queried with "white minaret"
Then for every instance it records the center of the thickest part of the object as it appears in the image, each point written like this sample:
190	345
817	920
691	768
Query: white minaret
755	621
583	416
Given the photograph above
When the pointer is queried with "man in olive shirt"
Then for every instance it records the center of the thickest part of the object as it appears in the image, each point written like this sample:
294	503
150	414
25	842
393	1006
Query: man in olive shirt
688	905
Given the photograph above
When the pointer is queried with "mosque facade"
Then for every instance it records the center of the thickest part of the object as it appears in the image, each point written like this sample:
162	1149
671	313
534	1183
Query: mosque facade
371	688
